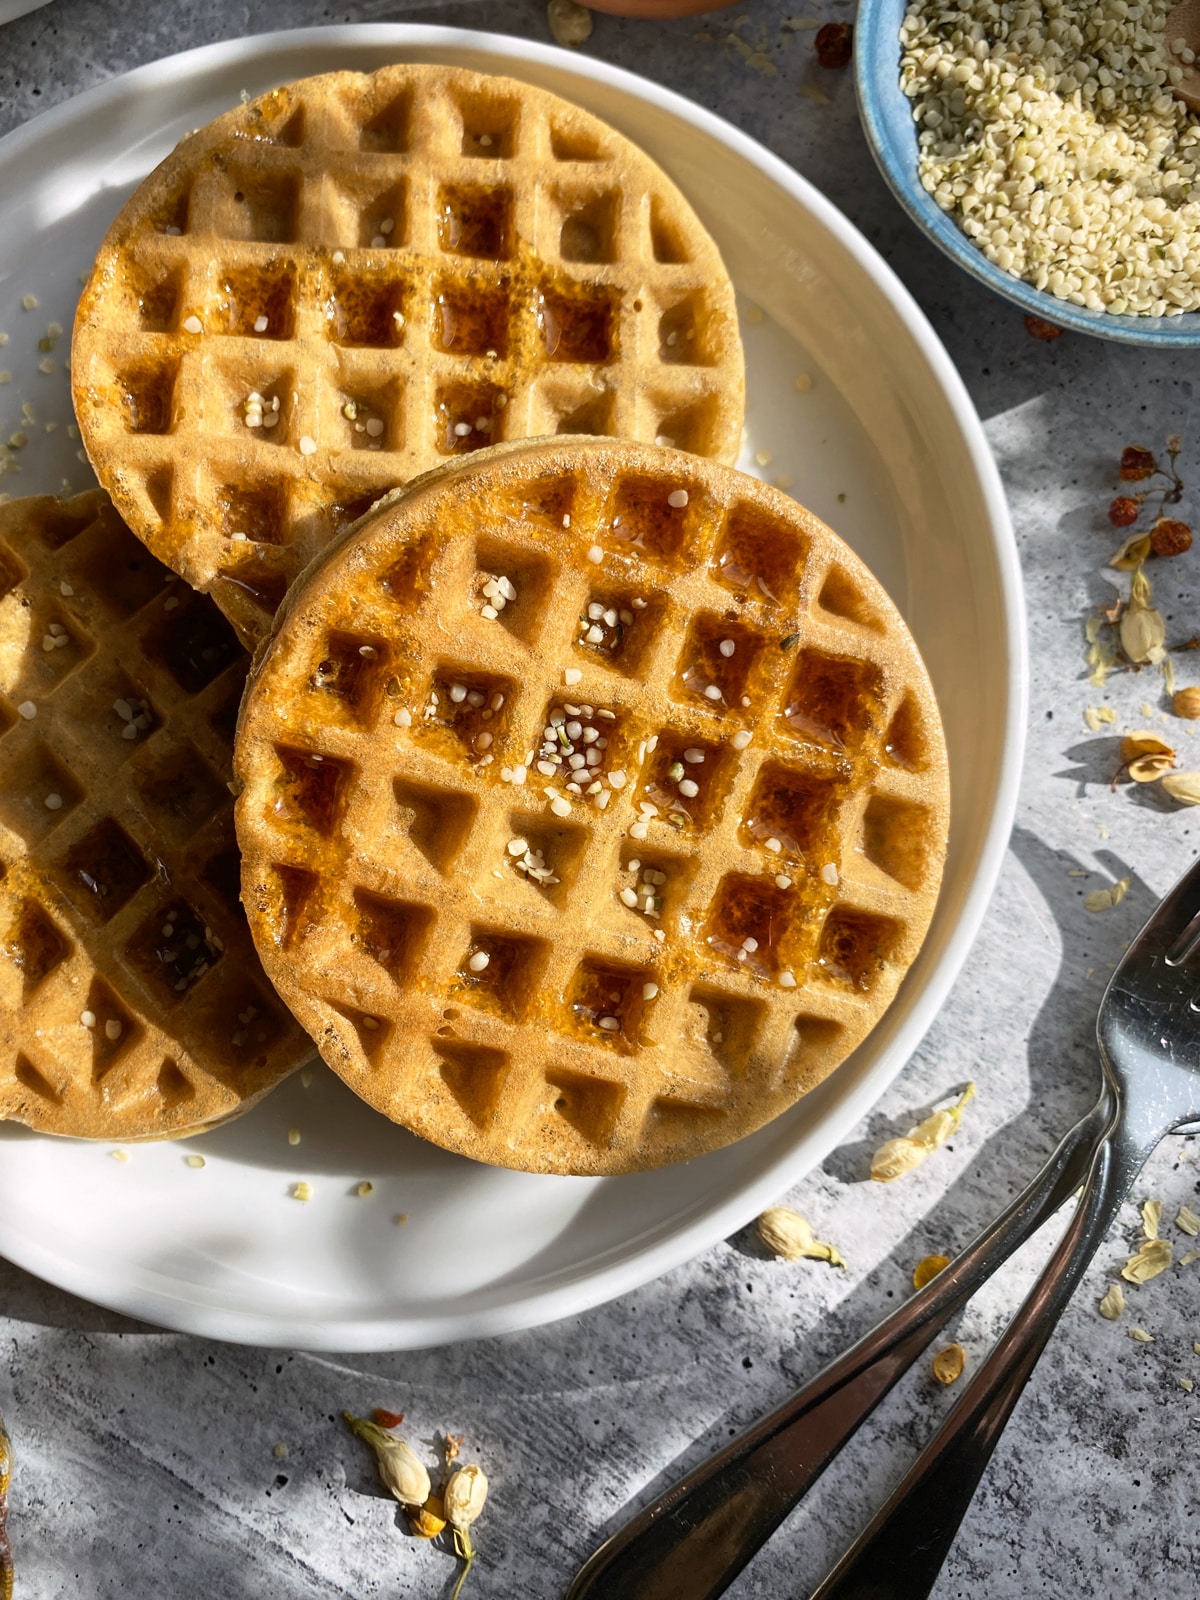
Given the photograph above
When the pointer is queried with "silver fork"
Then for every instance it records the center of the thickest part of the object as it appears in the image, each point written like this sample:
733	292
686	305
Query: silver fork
692	1541
1148	1033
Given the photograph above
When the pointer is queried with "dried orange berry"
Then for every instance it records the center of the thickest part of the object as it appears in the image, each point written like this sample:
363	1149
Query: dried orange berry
1170	538
1039	328
387	1419
833	44
1137	463
1123	512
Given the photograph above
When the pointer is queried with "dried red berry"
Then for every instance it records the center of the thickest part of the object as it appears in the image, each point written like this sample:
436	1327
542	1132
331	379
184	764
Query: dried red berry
1039	328
387	1419
1170	538
1137	463
833	44
1123	512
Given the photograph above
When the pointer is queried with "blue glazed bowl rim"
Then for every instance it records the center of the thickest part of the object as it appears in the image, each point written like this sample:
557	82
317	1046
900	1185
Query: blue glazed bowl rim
887	121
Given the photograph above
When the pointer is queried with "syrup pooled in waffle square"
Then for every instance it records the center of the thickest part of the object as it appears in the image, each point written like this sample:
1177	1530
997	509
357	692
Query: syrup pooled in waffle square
336	285
132	1004
593	804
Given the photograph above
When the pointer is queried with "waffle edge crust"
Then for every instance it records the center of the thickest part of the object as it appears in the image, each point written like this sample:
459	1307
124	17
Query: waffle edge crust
537	976
328	289
132	1004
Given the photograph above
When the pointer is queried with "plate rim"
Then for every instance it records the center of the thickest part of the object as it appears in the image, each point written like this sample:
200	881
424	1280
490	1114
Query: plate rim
639	1264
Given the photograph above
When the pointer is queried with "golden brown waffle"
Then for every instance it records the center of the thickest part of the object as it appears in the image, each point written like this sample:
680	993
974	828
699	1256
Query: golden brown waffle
376	272
132	1004
670	960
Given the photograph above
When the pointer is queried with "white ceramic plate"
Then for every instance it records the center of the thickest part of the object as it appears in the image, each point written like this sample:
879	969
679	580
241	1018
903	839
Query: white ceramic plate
887	425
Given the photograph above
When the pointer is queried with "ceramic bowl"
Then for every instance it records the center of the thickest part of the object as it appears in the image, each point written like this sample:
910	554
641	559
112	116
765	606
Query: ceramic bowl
887	120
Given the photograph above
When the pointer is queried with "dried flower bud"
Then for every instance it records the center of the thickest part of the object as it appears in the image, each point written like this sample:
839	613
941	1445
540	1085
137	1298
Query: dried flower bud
1123	512
927	1269
948	1364
401	1469
1174	443
786	1234
1137	463
1183	787
1132	553
833	44
1113	1302
1039	328
1143	635
898	1156
1186	703
1170	537
1142	630
464	1496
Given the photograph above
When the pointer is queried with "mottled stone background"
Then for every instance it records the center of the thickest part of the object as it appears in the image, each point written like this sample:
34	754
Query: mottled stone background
145	1464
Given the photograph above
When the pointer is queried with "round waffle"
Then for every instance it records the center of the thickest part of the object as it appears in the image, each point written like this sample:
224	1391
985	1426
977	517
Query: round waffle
132	1004
653	962
332	286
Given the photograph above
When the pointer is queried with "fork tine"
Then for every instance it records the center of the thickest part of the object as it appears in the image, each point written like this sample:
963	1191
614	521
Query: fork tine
1185	944
1172	931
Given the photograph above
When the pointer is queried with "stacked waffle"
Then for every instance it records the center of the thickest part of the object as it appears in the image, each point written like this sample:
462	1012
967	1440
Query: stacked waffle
592	795
132	1004
330	287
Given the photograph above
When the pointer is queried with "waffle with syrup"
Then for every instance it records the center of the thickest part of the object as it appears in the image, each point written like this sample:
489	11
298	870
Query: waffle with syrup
333	286
132	1004
593	803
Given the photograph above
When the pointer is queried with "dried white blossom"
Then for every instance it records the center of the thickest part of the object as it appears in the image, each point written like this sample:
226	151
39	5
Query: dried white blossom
401	1469
464	1496
898	1156
786	1234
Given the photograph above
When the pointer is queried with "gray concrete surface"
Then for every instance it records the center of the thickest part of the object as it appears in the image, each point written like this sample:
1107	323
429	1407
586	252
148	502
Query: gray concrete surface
145	1464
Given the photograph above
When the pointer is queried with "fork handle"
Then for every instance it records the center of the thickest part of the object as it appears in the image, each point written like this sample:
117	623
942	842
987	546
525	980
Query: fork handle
697	1536
901	1551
